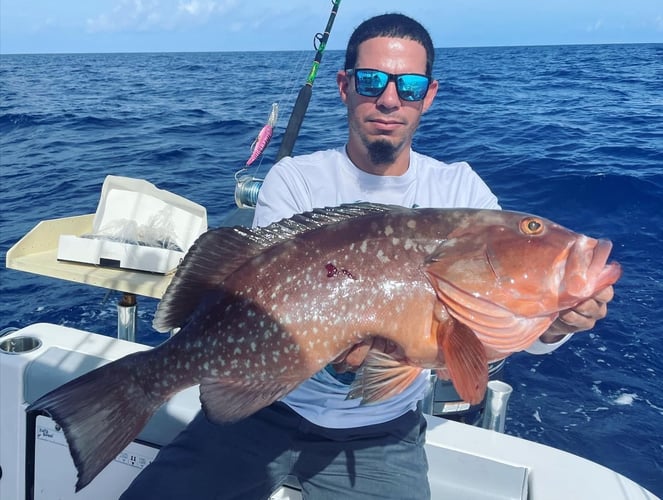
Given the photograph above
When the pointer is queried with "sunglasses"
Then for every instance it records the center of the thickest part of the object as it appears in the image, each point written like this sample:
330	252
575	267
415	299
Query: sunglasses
372	83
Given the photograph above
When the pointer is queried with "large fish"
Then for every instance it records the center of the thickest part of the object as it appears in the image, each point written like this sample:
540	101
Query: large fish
261	310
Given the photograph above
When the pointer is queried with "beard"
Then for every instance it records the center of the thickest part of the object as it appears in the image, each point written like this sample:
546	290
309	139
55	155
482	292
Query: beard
381	152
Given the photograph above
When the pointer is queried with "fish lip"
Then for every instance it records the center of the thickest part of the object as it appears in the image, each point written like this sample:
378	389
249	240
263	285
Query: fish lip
606	273
597	274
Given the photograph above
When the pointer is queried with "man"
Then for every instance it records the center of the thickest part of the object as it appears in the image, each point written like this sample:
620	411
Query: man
335	447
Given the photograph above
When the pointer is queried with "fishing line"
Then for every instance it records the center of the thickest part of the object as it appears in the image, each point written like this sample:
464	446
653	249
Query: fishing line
247	186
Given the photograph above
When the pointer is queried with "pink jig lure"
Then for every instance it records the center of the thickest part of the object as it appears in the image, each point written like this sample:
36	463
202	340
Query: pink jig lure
264	136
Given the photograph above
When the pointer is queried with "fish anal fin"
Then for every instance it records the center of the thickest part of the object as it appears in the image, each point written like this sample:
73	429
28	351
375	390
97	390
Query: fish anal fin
465	359
228	400
380	377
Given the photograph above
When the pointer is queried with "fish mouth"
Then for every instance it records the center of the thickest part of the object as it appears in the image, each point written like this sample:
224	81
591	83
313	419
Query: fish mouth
609	272
588	271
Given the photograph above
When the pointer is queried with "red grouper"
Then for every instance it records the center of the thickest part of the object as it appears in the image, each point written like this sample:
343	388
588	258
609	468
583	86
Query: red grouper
261	310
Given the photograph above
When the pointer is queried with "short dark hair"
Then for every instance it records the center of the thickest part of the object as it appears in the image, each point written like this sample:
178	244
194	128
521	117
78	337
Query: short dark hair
393	26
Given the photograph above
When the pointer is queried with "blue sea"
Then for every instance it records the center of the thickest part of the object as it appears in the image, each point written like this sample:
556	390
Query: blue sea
573	133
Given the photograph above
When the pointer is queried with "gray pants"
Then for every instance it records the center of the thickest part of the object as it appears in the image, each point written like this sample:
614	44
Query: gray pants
251	458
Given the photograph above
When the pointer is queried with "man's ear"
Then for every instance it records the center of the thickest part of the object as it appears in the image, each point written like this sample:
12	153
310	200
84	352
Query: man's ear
343	82
430	95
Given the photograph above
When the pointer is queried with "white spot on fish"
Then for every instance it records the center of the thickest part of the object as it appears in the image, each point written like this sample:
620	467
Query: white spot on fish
411	224
388	230
382	257
237	351
364	246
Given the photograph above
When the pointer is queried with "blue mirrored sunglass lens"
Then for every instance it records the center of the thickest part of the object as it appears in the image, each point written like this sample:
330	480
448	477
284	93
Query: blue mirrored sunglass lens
410	87
371	83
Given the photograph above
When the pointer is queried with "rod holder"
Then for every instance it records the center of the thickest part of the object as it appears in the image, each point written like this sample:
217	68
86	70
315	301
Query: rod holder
427	402
497	396
126	317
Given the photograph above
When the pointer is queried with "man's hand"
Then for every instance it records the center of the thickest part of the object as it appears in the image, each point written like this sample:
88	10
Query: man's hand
582	317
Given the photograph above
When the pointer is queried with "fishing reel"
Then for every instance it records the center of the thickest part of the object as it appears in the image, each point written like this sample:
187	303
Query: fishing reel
246	189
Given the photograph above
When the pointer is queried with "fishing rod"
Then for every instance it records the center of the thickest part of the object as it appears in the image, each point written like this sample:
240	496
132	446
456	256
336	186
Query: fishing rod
304	97
247	187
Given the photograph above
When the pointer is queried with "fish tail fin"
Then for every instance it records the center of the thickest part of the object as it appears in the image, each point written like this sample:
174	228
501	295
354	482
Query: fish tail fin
100	413
465	359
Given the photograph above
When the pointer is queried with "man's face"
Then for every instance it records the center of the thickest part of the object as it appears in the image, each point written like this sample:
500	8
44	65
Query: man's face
382	127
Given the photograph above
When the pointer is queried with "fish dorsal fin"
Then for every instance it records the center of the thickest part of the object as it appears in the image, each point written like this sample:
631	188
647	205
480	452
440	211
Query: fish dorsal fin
219	252
213	256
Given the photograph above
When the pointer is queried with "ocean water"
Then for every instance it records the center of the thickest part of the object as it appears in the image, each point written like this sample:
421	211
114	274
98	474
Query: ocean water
573	133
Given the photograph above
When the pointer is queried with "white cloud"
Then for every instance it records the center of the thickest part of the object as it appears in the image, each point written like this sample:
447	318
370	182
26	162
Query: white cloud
658	23
596	26
197	9
147	15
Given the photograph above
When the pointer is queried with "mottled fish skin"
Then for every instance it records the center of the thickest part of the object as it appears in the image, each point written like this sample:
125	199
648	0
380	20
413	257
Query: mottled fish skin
261	310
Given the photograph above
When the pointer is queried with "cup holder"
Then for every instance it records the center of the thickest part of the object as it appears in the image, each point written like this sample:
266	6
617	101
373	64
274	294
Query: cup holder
19	345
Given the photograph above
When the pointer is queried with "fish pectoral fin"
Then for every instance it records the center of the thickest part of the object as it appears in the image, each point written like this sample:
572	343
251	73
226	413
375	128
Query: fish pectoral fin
225	401
465	359
380	377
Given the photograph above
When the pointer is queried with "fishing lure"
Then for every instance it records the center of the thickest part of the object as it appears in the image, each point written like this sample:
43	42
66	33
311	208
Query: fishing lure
264	136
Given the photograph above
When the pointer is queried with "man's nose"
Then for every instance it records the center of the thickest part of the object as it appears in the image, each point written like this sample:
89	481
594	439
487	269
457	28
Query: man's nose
389	98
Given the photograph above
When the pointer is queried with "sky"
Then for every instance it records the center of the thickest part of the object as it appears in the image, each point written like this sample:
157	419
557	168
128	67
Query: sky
71	26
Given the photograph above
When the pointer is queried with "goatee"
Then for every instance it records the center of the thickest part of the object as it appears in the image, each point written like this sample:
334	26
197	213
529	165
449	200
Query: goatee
381	152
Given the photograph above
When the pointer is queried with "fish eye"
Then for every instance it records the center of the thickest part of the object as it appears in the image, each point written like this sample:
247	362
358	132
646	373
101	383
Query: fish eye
531	226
